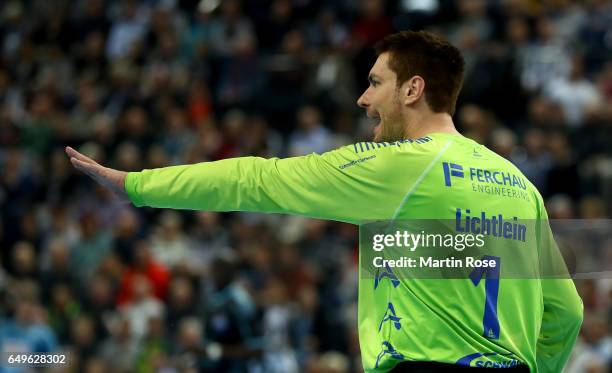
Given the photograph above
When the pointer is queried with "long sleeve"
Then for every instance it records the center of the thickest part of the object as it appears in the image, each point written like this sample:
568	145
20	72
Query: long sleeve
561	323
563	308
344	185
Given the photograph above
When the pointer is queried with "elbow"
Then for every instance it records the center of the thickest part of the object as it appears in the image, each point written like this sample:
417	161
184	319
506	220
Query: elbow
575	313
580	313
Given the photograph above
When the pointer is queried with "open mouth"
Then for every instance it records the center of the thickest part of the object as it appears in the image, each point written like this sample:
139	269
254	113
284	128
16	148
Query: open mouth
374	119
376	128
377	125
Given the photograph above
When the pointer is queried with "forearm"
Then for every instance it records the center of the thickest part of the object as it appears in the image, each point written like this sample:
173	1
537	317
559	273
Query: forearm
563	313
211	186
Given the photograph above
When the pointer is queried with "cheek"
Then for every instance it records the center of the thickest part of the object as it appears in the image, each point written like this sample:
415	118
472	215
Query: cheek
381	96
389	109
386	100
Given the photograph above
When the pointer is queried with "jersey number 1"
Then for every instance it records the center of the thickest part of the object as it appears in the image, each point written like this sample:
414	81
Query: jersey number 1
490	321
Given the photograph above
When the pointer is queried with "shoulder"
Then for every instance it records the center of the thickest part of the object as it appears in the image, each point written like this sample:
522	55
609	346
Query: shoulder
423	145
380	156
533	191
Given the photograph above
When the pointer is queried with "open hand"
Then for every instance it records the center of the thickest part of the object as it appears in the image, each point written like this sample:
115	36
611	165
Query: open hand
114	180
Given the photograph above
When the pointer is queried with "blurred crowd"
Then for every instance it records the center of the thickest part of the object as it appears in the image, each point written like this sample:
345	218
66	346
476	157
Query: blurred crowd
152	83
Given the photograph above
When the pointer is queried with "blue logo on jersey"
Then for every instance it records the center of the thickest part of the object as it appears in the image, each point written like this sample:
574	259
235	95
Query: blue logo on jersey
388	273
451	169
482	176
391	316
482	360
388	349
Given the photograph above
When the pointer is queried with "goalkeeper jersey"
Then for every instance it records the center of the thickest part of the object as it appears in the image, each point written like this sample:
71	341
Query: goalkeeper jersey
442	176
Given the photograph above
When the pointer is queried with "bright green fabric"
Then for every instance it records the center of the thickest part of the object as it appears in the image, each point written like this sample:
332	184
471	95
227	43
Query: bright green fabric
440	320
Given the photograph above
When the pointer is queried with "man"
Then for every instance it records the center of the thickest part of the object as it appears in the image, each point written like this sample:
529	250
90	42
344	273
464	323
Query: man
418	167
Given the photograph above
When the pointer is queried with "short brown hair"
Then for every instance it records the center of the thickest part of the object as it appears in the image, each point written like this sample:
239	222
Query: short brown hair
437	61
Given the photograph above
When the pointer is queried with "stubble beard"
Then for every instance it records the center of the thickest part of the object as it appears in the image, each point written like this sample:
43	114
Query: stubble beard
390	132
392	129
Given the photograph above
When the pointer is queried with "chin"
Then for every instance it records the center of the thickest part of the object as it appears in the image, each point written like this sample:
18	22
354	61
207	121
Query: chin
388	133
376	137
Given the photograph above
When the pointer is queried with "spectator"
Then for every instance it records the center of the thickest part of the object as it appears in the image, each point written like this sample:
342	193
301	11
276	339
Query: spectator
230	29
127	30
563	177
27	330
280	21
534	160
141	308
143	264
230	311
121	347
577	96
83	337
63	311
182	302
546	60
594	352
169	244
99	302
153	354
127	233
189	339
276	328
87	255
312	136
24	261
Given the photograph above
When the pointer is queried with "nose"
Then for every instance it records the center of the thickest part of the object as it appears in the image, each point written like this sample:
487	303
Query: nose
362	101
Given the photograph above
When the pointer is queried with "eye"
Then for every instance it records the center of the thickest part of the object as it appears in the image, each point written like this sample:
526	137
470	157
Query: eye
373	81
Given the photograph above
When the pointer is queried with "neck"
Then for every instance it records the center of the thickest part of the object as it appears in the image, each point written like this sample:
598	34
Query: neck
424	124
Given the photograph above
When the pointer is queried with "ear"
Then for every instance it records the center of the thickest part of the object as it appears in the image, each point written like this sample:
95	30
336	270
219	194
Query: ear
413	89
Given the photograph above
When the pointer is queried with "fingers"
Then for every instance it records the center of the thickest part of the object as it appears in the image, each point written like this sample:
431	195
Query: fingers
95	171
83	158
82	166
111	179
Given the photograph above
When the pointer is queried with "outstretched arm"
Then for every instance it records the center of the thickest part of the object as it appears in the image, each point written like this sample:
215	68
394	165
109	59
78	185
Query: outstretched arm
344	184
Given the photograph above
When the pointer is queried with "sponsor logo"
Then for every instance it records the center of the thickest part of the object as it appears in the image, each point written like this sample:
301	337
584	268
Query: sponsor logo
387	272
391	316
451	170
490	225
388	349
357	161
493	182
483	360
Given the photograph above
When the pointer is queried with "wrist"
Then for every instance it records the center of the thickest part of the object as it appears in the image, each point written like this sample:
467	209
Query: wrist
121	181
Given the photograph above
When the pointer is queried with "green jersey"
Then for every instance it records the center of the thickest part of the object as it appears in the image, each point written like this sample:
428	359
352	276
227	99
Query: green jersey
441	176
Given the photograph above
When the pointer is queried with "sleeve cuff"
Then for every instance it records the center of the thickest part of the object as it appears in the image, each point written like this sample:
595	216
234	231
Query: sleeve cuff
132	181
